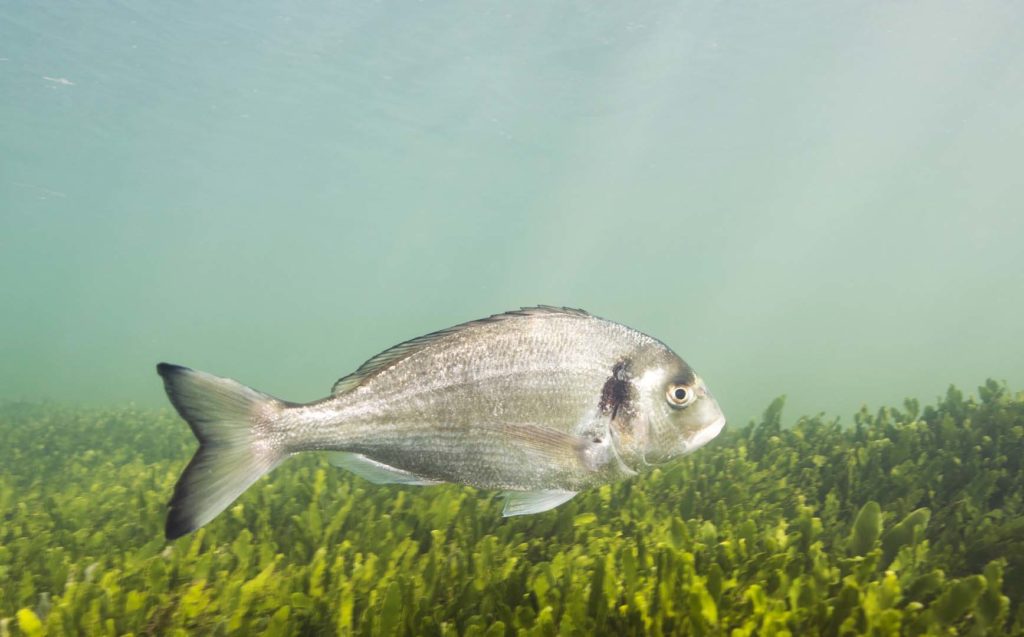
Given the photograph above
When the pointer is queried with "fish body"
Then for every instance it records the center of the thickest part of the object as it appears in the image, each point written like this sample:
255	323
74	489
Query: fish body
540	402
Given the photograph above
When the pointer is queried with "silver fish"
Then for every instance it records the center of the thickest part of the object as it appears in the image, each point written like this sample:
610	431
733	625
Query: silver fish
541	402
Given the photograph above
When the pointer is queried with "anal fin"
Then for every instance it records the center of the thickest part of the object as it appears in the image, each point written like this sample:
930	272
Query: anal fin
373	471
527	502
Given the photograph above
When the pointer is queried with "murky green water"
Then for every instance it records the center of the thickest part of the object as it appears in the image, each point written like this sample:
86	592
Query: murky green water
803	199
809	199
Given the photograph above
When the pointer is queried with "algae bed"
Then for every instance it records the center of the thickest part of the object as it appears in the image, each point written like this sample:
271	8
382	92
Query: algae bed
904	521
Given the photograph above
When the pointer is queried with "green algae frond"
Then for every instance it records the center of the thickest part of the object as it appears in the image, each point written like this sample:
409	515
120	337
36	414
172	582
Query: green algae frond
910	521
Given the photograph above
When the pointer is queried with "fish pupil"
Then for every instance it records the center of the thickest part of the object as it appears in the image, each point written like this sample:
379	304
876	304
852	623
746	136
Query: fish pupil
680	393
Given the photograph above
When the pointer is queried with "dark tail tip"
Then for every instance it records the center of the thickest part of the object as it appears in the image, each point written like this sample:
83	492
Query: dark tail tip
180	520
176	528
169	369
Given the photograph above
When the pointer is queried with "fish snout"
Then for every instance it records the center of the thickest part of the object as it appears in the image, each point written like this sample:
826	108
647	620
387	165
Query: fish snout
711	421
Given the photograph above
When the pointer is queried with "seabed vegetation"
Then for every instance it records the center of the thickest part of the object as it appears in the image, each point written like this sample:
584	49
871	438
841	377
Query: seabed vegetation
907	521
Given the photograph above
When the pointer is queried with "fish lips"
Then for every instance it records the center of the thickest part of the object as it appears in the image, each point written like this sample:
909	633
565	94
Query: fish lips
705	435
712	414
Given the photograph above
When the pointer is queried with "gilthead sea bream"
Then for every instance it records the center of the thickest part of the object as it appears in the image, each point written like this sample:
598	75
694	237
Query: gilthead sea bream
540	403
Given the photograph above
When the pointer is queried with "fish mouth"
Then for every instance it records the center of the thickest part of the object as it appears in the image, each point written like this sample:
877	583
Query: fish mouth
706	434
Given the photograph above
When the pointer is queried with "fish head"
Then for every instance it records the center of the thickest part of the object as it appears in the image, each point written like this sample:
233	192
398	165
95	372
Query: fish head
674	413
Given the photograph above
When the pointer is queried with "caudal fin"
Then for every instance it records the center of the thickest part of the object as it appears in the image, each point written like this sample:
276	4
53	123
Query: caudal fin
230	421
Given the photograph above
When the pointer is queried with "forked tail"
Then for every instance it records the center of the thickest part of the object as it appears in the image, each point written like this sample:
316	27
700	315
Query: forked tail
231	421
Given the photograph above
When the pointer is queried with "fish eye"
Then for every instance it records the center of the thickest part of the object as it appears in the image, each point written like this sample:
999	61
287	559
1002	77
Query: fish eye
680	395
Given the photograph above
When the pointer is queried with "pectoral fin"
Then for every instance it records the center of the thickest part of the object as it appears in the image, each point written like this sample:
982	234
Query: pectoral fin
373	471
527	502
543	444
546	447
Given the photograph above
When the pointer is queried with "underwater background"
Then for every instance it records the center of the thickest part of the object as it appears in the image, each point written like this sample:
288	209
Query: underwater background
816	200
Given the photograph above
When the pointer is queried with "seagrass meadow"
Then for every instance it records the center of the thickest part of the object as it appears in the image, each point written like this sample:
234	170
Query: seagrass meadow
905	521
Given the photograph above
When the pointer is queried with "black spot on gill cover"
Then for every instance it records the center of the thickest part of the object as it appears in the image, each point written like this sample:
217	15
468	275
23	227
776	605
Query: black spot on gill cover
617	391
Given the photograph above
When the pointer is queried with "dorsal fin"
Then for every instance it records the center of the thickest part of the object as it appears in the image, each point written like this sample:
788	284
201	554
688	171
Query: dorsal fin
390	357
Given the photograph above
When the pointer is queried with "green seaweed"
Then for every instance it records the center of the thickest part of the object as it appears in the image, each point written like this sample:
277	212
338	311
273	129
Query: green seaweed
910	521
